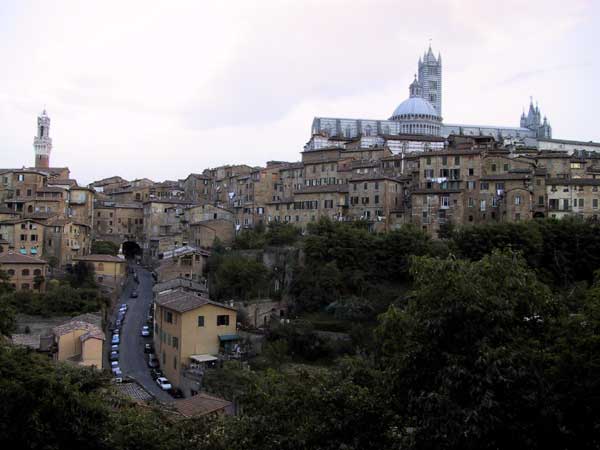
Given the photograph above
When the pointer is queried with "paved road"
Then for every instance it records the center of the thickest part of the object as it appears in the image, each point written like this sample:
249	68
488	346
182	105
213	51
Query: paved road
132	359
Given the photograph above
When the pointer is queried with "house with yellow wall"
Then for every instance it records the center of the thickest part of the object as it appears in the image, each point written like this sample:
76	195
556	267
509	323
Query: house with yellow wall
24	272
79	342
109	270
188	328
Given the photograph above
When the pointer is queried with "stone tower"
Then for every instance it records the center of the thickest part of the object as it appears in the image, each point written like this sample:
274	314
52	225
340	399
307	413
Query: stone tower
42	143
430	79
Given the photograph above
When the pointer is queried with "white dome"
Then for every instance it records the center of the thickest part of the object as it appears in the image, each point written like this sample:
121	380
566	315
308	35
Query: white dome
415	106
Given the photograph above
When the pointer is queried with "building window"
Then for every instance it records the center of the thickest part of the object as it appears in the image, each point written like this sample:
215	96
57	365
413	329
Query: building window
222	320
168	317
200	321
471	171
377	199
175	362
471	202
175	342
10	272
595	203
541	200
37	272
517	200
493	167
25	272
100	266
470	185
482	205
484	186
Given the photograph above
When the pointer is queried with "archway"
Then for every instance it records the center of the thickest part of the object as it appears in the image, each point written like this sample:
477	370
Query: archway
131	250
538	215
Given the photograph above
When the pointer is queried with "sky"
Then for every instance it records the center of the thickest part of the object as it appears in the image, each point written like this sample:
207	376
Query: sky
163	89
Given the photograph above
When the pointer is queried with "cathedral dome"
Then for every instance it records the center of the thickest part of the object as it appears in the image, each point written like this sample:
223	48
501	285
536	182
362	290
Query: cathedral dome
415	106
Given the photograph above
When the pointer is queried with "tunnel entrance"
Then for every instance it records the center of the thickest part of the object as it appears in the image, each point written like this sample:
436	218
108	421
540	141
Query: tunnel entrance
132	250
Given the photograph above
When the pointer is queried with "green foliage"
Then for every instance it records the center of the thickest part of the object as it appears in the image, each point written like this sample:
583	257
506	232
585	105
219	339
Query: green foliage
57	300
250	239
472	361
561	251
345	260
5	285
279	234
239	278
8	322
48	406
276	234
302	341
105	248
314	286
81	275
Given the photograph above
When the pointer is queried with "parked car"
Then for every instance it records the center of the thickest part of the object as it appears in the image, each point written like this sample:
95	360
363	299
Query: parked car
176	393
134	294
114	347
152	361
148	348
114	364
145	331
114	355
117	372
116	339
118	324
163	383
155	373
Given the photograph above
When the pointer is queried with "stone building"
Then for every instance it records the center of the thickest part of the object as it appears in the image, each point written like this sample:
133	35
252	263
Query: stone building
24	272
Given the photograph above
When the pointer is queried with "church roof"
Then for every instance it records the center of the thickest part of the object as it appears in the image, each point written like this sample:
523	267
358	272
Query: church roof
415	106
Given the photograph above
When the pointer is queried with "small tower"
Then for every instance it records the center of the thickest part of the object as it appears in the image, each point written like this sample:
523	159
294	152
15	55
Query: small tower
430	79
415	88
42	143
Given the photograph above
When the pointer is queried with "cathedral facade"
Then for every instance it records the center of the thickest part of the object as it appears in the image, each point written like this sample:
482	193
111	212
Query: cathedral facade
421	115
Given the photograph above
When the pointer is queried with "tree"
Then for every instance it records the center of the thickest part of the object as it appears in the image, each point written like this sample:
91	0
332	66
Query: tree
105	248
471	360
240	278
82	275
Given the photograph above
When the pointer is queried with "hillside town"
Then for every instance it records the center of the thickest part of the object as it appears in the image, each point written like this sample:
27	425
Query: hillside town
178	289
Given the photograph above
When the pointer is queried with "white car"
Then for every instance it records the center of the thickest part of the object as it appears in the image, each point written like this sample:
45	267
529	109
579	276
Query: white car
114	364
117	372
163	383
115	339
145	331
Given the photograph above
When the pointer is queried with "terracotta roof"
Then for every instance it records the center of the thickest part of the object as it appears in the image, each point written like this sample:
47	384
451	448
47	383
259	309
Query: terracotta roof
202	404
72	325
183	301
99	258
17	258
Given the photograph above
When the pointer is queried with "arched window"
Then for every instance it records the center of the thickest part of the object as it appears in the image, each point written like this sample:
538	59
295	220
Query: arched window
100	266
11	272
37	272
30	209
25	272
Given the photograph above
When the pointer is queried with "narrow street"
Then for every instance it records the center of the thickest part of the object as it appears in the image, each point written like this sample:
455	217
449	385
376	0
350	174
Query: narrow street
132	359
